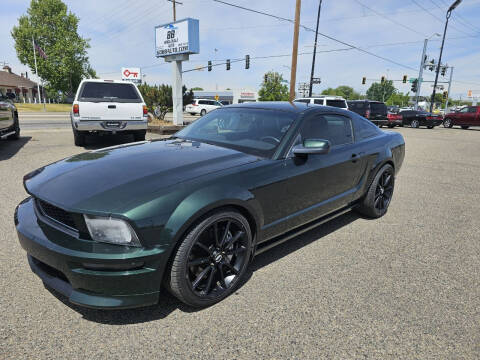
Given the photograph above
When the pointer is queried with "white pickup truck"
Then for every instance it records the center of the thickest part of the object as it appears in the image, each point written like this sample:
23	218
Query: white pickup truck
108	107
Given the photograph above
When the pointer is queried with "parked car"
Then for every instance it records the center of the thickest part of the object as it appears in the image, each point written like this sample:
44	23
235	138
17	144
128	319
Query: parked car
107	228
466	117
108	107
9	125
394	119
394	109
325	100
202	106
375	111
417	118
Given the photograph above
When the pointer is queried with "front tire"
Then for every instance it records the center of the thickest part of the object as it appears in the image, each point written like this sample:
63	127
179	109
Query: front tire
415	124
447	123
203	112
16	127
211	260
379	194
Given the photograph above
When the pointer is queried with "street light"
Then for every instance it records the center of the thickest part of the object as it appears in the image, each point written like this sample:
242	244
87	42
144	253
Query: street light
449	12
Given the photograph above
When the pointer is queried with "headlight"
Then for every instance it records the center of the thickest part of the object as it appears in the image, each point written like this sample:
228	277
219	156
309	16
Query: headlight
110	230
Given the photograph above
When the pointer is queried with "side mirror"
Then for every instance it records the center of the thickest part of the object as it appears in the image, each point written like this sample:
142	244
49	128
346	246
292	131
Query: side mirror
312	146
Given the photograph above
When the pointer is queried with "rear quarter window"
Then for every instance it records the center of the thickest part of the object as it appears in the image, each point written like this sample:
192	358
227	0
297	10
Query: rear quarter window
364	128
109	92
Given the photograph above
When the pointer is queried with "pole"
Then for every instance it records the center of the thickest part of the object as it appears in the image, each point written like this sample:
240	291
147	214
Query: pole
448	91
449	12
420	73
36	71
314	50
177	93
174	12
293	73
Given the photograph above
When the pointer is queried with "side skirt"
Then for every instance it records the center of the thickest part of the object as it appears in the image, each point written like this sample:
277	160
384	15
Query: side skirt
267	245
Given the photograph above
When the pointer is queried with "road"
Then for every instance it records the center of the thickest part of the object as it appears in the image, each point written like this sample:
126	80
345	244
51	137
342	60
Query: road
52	120
406	286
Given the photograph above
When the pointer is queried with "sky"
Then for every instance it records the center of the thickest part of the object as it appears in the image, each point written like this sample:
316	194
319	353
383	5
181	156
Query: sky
121	34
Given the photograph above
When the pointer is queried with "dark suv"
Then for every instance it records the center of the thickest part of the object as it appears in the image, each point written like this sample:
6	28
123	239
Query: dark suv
375	111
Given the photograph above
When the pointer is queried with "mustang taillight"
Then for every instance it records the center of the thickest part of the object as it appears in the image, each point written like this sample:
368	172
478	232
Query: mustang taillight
76	110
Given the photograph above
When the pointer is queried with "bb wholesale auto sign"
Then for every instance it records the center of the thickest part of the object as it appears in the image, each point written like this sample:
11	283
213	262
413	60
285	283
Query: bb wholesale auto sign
179	37
132	74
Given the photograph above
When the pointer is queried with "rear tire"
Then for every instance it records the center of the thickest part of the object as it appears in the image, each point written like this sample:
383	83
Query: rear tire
415	124
430	126
211	260
79	138
391	126
447	123
464	127
379	194
139	135
203	112
192	113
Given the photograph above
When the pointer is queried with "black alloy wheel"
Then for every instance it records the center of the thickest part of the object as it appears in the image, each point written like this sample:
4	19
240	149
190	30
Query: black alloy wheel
415	124
375	202
211	260
384	191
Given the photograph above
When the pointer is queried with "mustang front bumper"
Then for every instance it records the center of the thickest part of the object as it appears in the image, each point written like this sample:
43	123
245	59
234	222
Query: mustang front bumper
90	274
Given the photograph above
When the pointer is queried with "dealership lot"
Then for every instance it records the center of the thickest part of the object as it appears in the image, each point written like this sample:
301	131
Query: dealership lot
403	286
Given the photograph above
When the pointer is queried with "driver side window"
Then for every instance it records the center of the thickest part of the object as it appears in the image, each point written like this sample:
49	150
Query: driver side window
335	128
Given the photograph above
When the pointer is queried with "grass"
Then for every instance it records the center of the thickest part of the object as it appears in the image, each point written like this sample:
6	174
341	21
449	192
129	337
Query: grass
39	107
158	122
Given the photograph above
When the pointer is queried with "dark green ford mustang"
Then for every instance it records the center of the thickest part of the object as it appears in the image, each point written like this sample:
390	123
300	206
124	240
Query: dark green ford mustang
110	228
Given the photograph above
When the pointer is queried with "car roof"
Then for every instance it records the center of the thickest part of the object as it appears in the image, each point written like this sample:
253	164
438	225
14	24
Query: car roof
107	81
294	107
331	97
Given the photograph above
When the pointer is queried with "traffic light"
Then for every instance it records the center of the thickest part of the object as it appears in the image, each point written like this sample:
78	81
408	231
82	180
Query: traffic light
432	63
265	78
415	85
404	79
364	80
247	61
209	66
382	80
444	70
228	64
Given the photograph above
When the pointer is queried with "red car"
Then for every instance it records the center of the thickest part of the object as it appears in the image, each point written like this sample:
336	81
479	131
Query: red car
468	116
394	120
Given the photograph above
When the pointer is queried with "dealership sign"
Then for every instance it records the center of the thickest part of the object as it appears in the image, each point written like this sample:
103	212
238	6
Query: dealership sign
179	37
132	74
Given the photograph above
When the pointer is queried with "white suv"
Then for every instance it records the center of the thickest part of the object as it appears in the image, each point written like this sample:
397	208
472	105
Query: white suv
108	107
202	106
325	100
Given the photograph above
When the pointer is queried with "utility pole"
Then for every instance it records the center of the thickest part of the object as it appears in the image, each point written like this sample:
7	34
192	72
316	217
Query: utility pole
293	73
449	13
177	97
448	91
420	73
314	50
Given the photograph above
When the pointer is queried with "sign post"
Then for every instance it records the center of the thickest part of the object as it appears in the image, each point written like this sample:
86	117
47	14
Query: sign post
175	42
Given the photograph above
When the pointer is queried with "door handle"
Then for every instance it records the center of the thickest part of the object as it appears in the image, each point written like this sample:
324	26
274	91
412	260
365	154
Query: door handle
112	106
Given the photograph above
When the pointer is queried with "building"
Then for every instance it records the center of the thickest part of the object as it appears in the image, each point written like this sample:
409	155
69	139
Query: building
24	89
237	96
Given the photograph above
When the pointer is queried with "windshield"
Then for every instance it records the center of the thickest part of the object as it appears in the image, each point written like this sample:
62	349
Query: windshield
337	103
99	92
253	131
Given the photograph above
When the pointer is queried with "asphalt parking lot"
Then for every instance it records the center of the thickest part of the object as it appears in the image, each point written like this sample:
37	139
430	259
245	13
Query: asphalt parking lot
406	286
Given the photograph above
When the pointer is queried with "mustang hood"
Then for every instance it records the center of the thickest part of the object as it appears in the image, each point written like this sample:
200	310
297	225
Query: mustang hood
107	180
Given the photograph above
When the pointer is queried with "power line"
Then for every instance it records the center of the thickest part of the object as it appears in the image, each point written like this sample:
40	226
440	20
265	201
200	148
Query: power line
319	33
389	19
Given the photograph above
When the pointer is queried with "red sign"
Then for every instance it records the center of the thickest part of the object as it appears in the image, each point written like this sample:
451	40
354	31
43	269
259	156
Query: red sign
127	73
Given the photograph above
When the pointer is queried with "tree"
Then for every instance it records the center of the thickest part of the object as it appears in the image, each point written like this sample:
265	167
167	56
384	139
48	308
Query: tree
273	88
54	29
162	95
197	89
344	91
381	92
398	98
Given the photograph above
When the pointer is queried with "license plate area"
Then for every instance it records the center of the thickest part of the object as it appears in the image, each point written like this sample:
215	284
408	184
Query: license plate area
112	124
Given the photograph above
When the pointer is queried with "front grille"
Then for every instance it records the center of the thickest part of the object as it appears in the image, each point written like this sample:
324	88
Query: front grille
57	214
